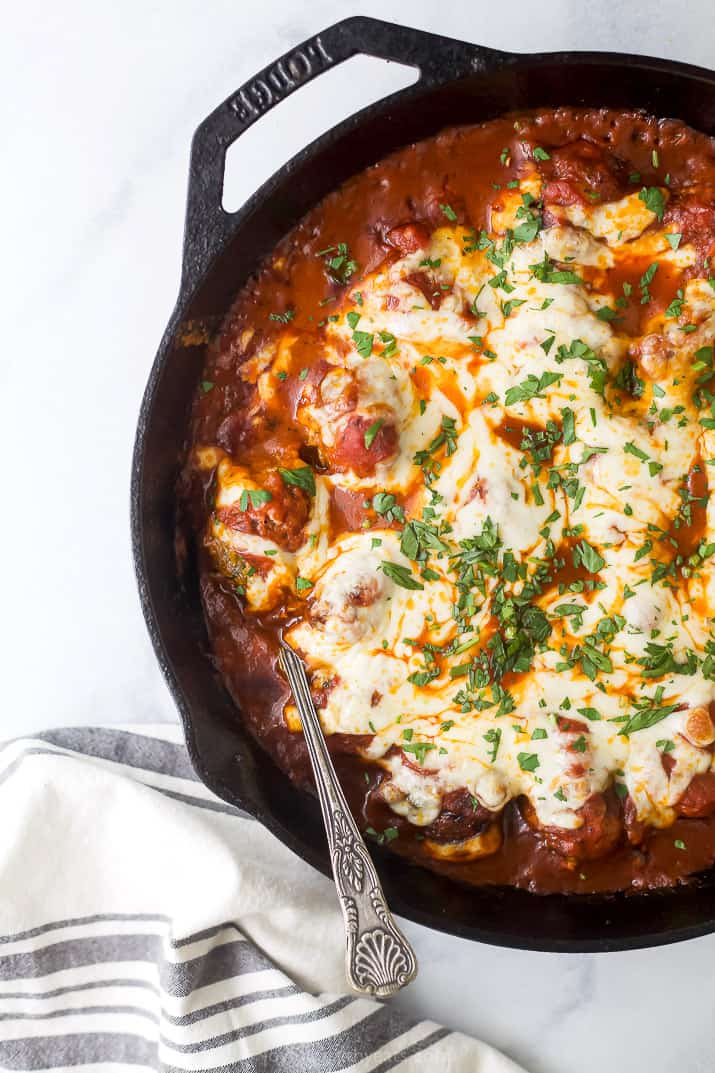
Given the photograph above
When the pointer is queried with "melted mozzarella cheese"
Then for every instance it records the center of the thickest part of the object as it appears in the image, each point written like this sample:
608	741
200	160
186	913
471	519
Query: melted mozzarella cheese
615	221
589	529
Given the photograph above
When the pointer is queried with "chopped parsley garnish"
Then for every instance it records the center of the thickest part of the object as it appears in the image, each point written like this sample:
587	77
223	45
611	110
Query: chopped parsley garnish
371	432
389	344
652	198
283	318
513	303
257	497
419	749
659	661
568	426
646	714
302	477
401	575
449	212
587	555
339	265
422	678
645	282
302	583
547	273
592	714
420	539
675	309
597	368
532	387
628	380
447	438
528	761
363	343
493	738
384	503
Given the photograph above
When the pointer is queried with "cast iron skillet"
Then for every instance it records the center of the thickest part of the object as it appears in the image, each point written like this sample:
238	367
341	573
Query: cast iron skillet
458	83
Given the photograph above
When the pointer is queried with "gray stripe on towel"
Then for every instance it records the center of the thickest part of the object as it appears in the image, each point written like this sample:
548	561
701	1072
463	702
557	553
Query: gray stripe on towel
124	747
220	963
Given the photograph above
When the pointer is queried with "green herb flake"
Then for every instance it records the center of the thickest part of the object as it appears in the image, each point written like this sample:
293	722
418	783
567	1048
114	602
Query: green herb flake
568	426
401	575
363	343
419	749
587	555
532	387
339	265
493	738
302	477
652	198
371	433
283	318
257	497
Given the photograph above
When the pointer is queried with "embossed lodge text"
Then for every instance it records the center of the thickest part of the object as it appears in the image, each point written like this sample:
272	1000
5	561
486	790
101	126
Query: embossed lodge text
279	79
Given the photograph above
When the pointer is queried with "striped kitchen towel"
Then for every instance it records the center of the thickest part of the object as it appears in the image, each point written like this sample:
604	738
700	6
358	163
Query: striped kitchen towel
144	923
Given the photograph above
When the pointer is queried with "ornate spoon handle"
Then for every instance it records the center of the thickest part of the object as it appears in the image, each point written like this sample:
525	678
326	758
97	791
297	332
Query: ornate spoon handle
378	958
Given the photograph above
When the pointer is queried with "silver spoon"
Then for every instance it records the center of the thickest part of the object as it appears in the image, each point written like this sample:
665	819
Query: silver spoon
378	958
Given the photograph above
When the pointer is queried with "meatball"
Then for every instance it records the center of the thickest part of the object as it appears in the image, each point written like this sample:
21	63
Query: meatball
600	831
653	356
578	172
426	284
362	442
351	416
694	219
281	518
349	599
408	238
699	798
461	817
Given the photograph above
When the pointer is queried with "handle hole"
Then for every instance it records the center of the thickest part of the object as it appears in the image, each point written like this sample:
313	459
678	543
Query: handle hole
306	114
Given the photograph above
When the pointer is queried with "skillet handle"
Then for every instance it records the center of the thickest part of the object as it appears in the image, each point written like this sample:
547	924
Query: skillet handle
438	58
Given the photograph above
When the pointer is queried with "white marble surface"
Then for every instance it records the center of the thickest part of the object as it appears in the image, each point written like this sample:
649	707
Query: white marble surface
98	105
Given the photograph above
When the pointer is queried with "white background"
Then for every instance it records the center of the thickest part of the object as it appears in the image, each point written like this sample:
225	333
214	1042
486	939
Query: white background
98	104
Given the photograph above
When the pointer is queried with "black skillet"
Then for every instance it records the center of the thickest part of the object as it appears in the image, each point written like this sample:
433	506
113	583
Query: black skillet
458	83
